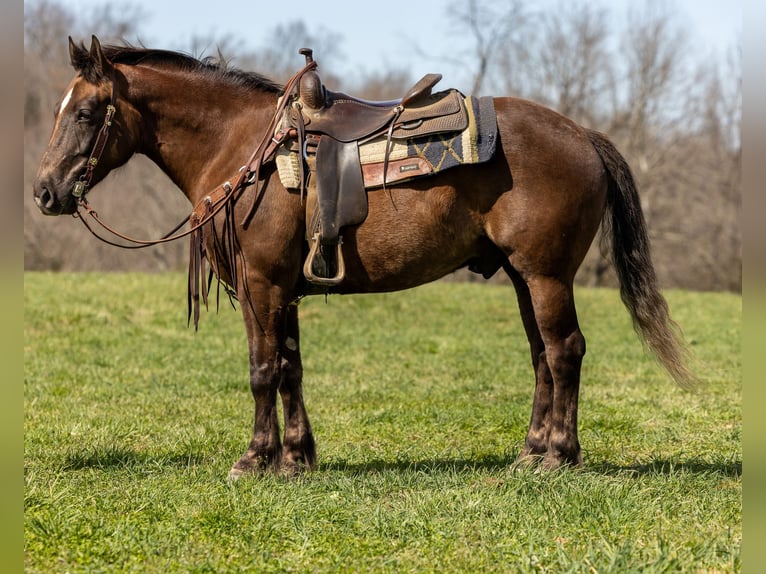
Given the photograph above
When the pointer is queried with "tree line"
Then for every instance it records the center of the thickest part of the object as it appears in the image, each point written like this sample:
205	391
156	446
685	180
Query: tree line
673	112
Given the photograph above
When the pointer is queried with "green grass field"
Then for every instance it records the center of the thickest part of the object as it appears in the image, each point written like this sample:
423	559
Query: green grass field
419	402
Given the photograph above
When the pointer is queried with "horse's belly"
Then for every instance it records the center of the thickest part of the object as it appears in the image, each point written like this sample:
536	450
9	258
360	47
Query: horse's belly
410	238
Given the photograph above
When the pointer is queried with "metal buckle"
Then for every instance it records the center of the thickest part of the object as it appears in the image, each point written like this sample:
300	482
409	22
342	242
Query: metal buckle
79	189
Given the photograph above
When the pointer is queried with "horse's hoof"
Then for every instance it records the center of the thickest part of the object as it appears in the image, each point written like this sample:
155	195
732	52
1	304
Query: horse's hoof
239	470
293	468
552	463
234	474
526	461
253	464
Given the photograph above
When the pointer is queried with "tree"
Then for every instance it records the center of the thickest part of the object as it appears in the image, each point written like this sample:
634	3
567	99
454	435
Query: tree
279	58
674	114
675	119
493	28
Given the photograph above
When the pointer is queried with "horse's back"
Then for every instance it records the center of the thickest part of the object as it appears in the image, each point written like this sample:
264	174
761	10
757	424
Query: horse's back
540	197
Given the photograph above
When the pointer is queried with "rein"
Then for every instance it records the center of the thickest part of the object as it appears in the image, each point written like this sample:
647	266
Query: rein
216	200
222	198
248	174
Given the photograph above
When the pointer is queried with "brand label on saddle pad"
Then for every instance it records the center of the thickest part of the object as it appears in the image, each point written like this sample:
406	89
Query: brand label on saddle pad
416	157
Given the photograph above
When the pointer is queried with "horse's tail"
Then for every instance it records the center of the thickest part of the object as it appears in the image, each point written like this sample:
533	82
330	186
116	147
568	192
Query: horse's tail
624	227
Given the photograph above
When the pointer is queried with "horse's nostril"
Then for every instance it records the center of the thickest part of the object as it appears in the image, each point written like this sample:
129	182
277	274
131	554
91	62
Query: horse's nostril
46	198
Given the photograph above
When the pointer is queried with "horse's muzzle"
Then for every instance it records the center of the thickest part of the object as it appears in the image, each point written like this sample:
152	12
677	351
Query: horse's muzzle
48	203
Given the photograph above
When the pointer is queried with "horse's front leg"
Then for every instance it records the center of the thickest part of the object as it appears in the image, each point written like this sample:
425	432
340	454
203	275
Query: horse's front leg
298	447
264	317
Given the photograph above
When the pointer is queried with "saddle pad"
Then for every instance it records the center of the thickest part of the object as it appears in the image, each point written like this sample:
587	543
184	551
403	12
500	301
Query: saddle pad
428	155
418	156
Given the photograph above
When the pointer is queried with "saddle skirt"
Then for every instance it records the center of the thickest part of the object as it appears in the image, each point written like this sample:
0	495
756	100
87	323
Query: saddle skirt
415	150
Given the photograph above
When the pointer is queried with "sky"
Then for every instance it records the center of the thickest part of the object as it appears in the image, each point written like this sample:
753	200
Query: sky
380	34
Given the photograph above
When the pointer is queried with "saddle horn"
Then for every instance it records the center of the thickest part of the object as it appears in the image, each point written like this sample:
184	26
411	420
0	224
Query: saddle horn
308	52
310	89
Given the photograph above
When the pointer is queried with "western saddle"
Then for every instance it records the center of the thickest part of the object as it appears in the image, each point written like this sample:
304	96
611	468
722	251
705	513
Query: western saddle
326	128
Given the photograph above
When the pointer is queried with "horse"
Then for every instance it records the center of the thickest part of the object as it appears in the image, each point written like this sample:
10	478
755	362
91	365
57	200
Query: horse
532	210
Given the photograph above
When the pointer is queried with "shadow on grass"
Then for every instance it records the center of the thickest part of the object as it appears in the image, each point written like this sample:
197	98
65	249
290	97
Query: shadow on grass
730	469
494	463
122	457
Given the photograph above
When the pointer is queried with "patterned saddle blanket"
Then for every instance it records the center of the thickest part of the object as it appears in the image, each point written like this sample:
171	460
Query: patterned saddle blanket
415	156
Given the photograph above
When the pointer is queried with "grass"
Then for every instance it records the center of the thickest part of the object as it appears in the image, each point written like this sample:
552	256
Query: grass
419	401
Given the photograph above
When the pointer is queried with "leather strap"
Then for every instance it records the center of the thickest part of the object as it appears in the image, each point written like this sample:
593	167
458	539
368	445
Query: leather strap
259	156
82	185
214	202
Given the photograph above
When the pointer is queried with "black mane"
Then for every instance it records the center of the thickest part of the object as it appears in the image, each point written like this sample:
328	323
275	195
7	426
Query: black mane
210	67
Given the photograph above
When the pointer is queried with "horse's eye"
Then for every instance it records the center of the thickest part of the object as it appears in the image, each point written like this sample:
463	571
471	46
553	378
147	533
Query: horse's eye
83	115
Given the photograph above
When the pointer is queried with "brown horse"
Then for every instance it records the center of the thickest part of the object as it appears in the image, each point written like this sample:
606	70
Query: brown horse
532	210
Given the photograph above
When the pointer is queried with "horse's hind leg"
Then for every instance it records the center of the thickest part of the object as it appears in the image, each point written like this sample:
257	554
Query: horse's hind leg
555	414
298	448
536	441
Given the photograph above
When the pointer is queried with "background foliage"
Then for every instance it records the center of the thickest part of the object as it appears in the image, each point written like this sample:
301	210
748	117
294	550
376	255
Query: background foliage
674	113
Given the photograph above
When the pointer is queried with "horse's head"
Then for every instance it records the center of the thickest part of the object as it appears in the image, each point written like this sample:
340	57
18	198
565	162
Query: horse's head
92	132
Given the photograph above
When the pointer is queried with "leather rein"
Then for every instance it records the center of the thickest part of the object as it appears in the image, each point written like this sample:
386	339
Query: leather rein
207	207
227	254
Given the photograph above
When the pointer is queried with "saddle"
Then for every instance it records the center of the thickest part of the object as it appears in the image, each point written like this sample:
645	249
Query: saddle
329	128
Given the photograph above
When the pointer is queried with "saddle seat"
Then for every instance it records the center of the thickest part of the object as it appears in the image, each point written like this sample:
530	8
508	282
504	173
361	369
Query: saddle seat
347	118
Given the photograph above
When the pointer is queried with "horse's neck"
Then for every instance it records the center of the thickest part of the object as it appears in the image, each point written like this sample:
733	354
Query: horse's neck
202	137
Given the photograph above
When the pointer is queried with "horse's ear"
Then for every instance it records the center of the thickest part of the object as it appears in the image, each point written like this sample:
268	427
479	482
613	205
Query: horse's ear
78	55
102	64
92	64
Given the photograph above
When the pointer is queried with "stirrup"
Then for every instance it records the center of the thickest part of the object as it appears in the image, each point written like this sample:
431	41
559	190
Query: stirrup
307	266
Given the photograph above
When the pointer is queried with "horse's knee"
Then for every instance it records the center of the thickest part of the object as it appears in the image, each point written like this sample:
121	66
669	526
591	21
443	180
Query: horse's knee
265	378
292	370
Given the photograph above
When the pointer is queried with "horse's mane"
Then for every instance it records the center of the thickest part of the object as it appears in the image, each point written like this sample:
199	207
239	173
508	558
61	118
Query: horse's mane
215	68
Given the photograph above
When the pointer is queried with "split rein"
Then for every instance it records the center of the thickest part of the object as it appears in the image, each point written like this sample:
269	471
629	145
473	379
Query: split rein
196	222
211	204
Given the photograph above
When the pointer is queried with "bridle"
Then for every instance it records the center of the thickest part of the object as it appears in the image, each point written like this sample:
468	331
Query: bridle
220	199
216	200
212	203
82	185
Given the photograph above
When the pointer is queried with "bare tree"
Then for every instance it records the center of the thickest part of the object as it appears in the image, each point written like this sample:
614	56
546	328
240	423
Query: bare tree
674	115
279	58
655	81
493	27
46	25
675	119
386	84
112	22
572	72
